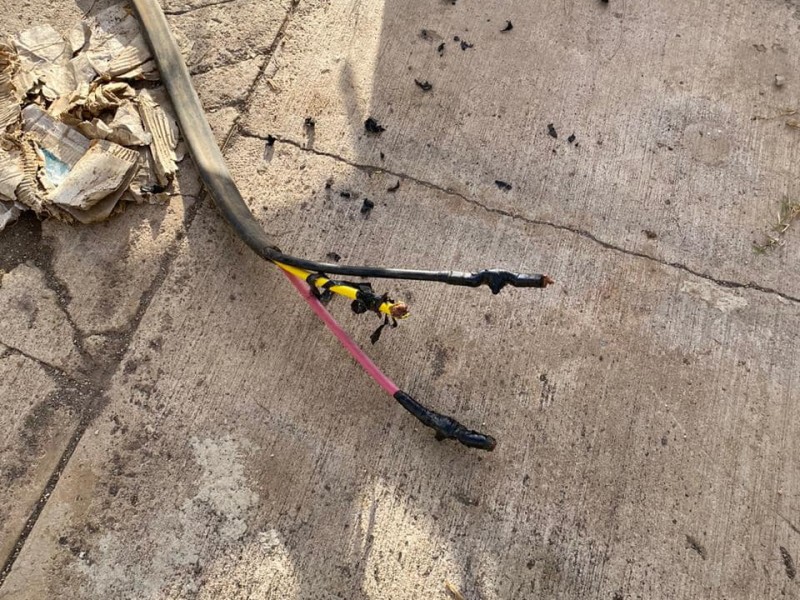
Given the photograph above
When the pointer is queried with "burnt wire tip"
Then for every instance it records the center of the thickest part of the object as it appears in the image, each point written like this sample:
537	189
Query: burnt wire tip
497	279
445	427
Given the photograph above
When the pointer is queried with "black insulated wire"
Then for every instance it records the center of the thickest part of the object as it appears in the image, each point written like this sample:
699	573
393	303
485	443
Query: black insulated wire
218	181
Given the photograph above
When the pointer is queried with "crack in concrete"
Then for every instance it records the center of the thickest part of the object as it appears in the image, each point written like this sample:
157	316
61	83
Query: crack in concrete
63	300
97	399
270	53
25	244
725	283
48	368
190	9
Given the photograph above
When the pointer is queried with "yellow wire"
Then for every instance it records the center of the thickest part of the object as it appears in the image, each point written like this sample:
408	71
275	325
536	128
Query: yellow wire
398	310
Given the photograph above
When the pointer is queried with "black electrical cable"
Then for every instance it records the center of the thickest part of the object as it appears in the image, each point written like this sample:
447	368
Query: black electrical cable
229	201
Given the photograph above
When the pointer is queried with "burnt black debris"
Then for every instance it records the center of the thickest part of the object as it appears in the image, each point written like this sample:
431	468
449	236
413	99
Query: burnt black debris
394	188
372	126
367	206
270	140
328	184
335	257
551	130
571	138
344	194
502	185
440	49
456	38
383	156
153	189
465	44
425	86
310	122
509	26
650	234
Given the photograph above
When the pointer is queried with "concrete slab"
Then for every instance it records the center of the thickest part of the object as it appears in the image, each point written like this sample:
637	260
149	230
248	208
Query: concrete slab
38	418
224	33
646	420
679	151
33	321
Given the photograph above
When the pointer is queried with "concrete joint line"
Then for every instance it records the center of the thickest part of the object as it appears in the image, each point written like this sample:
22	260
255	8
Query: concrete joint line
184	11
52	370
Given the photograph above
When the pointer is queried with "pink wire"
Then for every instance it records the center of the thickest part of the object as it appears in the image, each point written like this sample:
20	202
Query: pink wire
346	341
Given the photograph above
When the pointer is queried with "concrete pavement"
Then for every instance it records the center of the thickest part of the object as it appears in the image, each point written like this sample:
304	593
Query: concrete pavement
180	426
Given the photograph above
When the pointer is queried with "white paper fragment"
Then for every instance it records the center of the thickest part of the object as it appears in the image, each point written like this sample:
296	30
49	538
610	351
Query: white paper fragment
116	45
99	212
46	55
78	36
105	170
165	136
23	81
11	175
9	212
82	69
41	44
96	129
129	60
54	137
126	127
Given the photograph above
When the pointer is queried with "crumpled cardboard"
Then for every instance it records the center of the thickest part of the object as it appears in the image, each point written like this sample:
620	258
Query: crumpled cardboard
82	130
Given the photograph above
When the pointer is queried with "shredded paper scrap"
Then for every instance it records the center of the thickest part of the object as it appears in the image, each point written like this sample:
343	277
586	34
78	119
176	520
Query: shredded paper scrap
83	129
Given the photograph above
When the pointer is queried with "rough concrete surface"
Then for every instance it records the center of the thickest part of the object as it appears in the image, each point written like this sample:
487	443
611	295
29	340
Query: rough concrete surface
181	426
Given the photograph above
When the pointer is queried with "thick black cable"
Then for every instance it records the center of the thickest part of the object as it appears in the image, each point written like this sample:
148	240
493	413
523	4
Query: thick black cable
445	427
218	181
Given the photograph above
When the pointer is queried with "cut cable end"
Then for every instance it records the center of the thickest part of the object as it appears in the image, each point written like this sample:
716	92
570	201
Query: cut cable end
446	428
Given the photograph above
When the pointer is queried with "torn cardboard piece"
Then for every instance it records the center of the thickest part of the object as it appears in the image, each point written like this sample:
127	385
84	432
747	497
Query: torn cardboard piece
105	170
9	212
116	46
78	135
164	132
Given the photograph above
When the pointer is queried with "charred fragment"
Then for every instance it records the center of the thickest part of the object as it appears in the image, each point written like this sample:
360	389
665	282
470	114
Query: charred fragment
367	206
372	126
